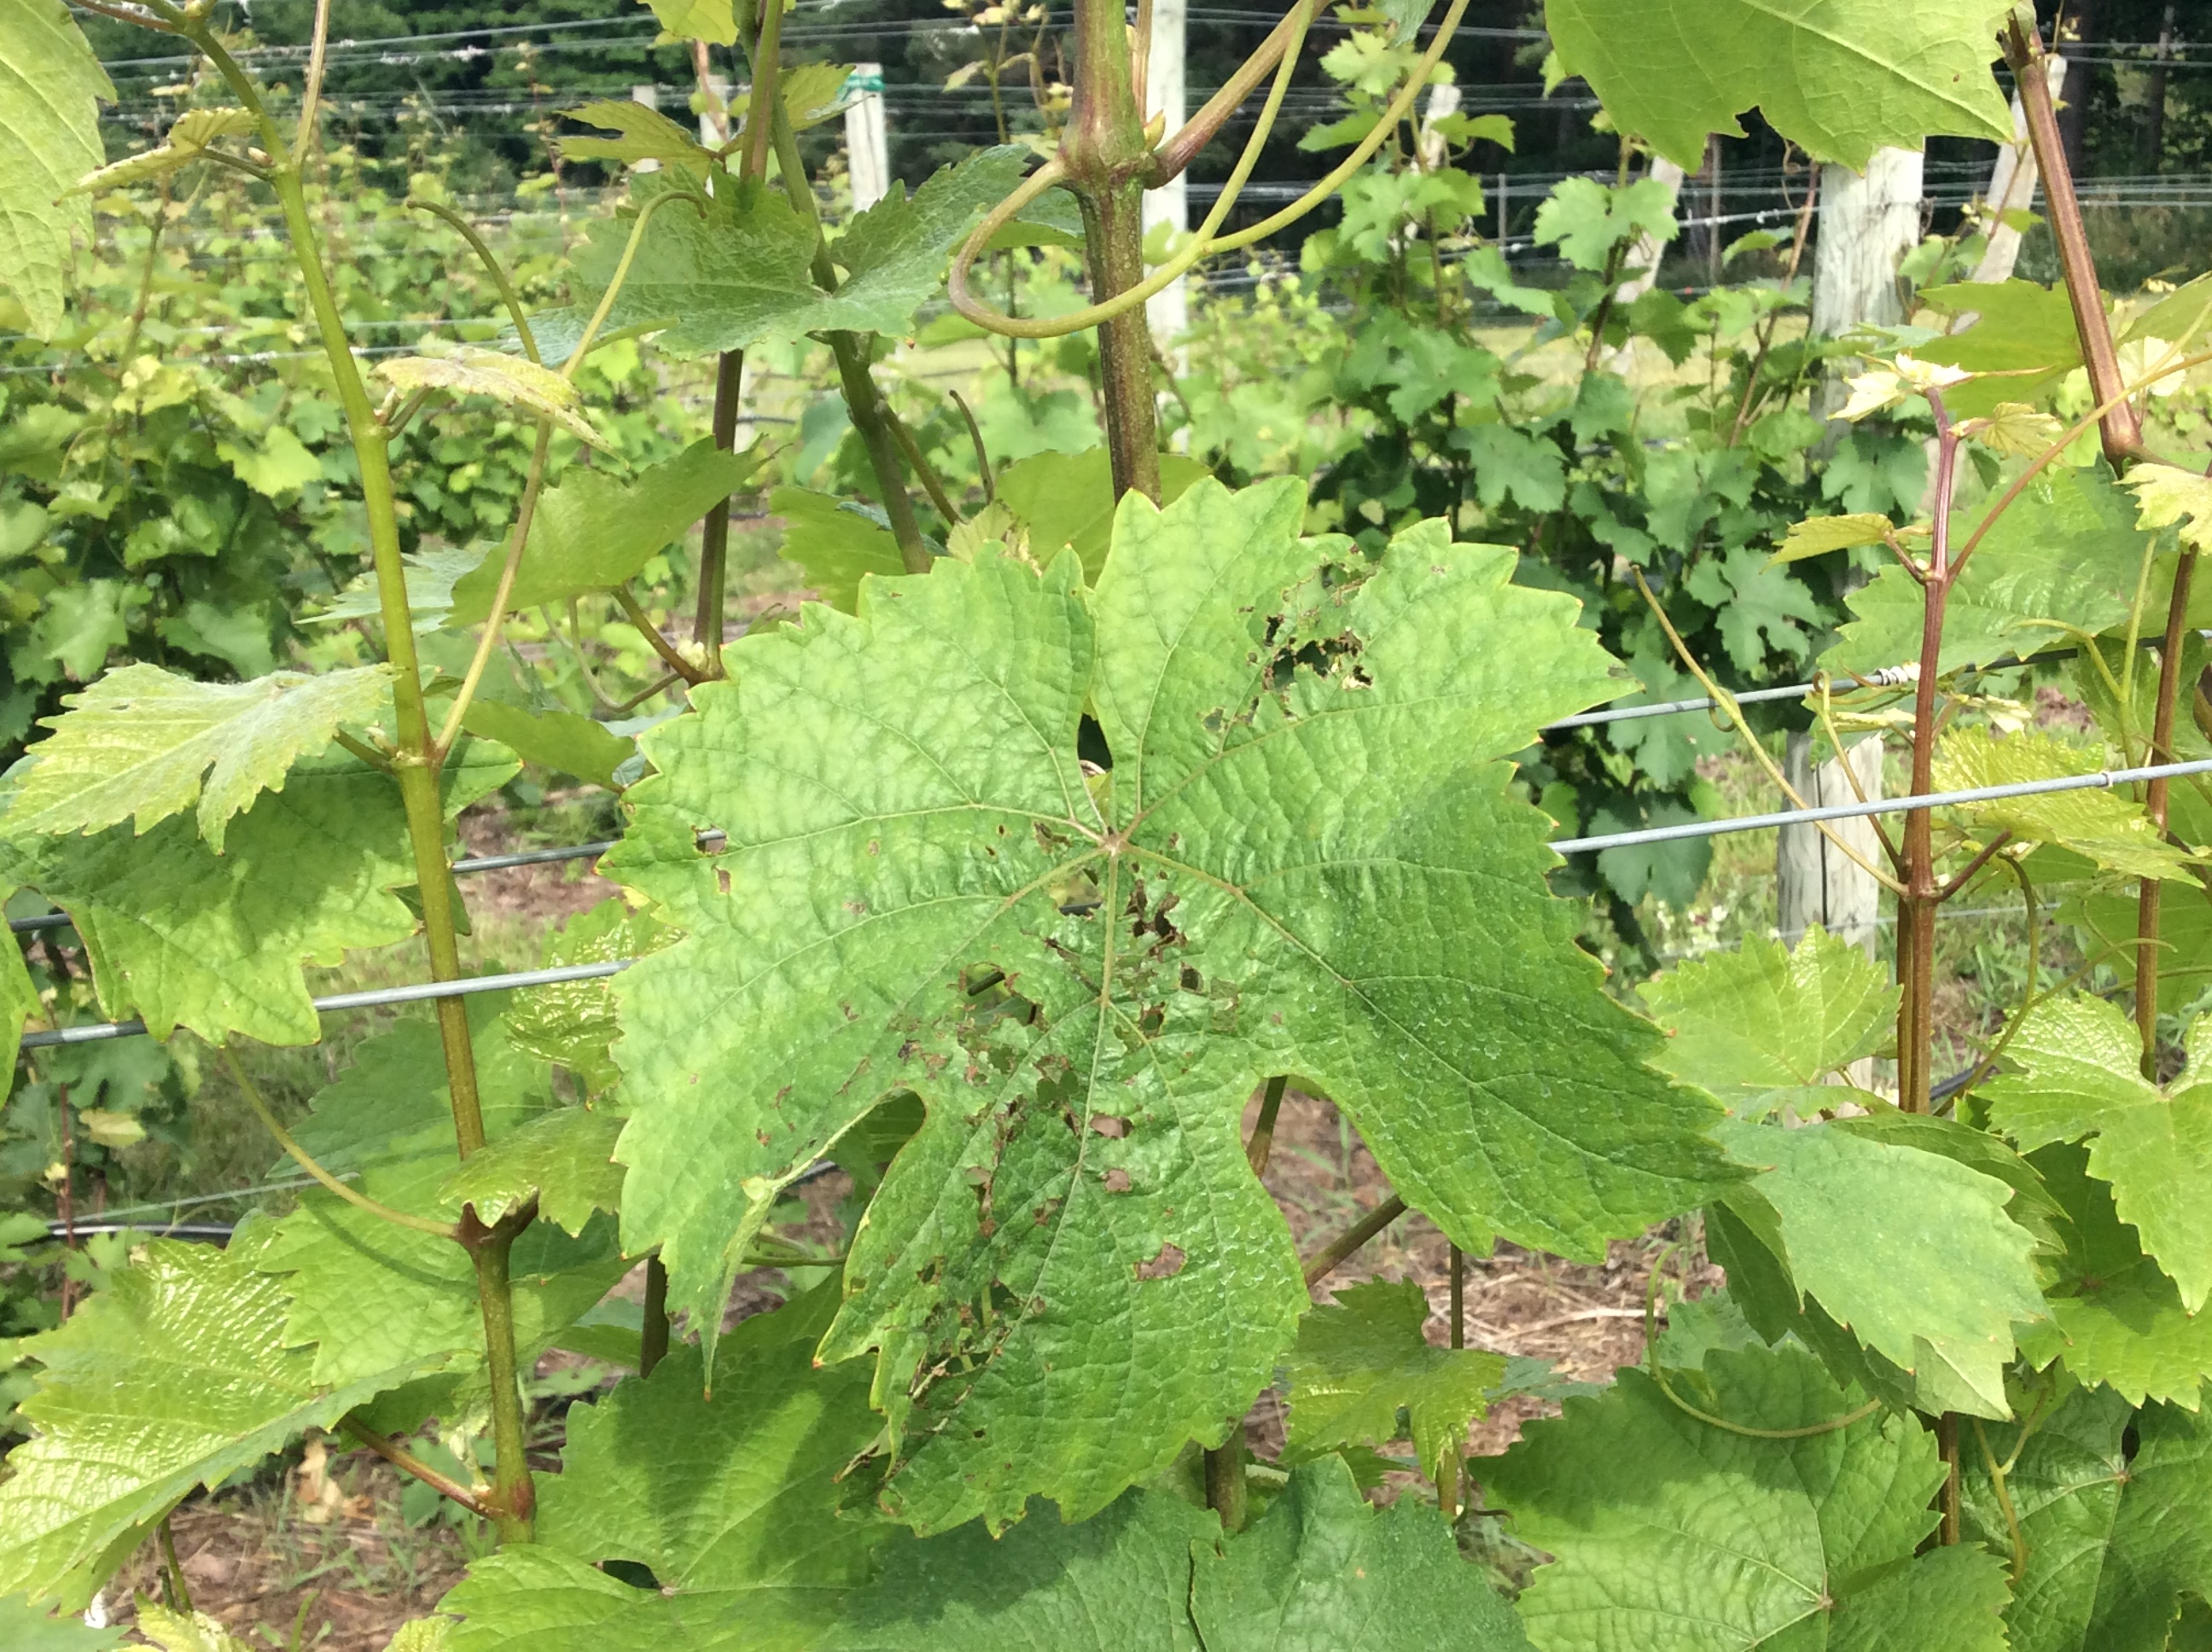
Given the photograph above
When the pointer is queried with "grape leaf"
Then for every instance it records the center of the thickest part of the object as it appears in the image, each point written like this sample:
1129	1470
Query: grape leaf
187	938
2114	1317
25	1628
1823	534
2066	556
1321	1570
572	1022
1911	1250
2167	496
1357	1362
2114	1528
1671	1533
712	21
1068	499
1085	984
2019	325
134	744
1751	1023
19	998
1840	79
189	135
185	1632
51	87
513	380
642	133
175	1375
594	531
734	271
2079	1077
2105	826
430	578
565	740
838	544
565	1157
369	1294
1586	220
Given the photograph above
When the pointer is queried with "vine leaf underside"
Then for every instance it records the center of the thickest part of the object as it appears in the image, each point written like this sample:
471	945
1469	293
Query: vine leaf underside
1081	869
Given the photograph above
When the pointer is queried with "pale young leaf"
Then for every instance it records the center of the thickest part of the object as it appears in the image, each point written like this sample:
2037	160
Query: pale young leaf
2167	496
51	87
642	134
1361	1359
185	1632
1871	392
1823	534
474	370
2016	430
141	744
2106	827
563	1158
193	131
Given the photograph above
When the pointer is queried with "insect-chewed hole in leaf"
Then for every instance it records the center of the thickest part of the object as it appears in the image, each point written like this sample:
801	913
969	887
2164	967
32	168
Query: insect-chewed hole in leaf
637	1575
1117	1180
1091	745
1165	1265
1107	1125
1190	980
721	880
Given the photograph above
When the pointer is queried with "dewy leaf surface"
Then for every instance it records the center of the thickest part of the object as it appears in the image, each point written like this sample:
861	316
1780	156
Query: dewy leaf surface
1310	868
183	937
141	744
50	89
1670	1533
2114	1528
176	1375
2079	1078
1359	1360
731	1501
1839	78
1913	1251
594	530
1322	1570
1748	1023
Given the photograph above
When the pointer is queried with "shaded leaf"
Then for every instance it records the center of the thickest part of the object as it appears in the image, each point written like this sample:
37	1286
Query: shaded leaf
1912	1251
1068	499
51	87
594	531
839	543
1669	1531
2017	328
711	21
141	744
473	370
2079	1078
572	1022
1765	1019
566	740
26	1628
1840	81
431	576
1167	939
1359	1360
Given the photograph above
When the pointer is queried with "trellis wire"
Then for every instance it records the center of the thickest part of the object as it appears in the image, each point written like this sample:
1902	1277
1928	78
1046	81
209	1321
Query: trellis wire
423	992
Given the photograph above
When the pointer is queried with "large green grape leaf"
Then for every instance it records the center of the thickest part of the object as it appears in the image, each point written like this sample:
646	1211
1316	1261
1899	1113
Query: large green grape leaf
1322	1570
2065	557
176	1375
1669	1531
187	937
1839	78
2114	1318
1757	1023
1911	1250
594	529
731	1502
2022	331
2079	1077
1359	1360
1291	866
734	271
2114	1526
136	743
2105	826
369	1294
51	87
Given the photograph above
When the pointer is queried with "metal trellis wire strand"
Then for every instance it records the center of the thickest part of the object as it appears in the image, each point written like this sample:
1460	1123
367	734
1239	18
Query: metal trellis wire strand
424	991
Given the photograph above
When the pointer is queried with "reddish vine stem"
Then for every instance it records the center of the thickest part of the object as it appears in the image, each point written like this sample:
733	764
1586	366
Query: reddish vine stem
408	1463
2151	892
1332	1255
714	529
2122	431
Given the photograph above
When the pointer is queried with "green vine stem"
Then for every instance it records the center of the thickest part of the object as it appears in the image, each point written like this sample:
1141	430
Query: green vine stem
408	1463
1332	1255
414	762
1257	1151
172	1574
